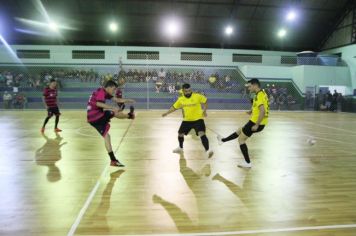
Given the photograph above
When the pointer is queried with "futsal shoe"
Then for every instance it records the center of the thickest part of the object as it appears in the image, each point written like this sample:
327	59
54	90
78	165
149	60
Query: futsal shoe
219	138
57	130
131	113
116	163
209	153
178	150
244	165
42	130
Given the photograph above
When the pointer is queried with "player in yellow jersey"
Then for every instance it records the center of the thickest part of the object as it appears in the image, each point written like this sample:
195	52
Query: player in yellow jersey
193	117
258	120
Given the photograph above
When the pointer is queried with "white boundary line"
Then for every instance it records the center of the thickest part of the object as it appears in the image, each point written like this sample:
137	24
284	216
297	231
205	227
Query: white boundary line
259	231
93	192
86	204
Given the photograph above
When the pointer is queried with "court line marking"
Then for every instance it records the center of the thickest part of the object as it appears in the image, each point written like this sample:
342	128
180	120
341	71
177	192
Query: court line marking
329	127
93	192
258	231
86	204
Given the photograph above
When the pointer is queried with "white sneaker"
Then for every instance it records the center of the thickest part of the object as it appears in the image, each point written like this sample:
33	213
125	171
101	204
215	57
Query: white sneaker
209	153
219	138
178	150
244	164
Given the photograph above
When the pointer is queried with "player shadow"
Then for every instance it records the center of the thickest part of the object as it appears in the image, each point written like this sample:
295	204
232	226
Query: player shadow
98	219
49	154
245	196
189	175
181	219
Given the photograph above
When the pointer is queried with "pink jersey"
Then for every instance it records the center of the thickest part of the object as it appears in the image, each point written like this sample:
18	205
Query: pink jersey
94	112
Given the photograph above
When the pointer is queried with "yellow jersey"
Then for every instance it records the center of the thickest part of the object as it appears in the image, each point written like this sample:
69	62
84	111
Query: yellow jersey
191	107
261	98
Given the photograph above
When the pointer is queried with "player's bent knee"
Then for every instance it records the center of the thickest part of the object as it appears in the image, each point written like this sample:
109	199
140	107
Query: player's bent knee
239	130
242	139
201	133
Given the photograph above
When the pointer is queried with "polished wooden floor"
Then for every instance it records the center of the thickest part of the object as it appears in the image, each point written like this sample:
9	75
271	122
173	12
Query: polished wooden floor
62	185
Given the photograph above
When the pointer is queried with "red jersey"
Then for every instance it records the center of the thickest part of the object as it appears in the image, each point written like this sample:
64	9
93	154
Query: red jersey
50	97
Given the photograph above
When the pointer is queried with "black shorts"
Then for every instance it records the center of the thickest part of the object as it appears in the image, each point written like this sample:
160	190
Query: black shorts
186	126
247	129
102	125
53	111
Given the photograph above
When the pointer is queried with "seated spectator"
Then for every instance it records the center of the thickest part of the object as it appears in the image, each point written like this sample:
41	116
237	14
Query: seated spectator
212	81
7	99
171	88
162	75
18	101
159	84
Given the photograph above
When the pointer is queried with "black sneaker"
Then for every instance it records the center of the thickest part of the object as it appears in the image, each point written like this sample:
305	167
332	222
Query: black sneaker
116	163
131	113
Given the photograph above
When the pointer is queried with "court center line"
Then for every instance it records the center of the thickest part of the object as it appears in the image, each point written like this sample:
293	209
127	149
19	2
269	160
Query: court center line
242	232
93	191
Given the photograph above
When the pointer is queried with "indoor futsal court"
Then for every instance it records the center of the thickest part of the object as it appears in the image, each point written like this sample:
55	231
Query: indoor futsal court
56	183
177	117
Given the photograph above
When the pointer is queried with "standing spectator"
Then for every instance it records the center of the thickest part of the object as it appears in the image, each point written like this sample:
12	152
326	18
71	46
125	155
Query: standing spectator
2	79
271	101
281	101
329	99
9	79
7	98
334	100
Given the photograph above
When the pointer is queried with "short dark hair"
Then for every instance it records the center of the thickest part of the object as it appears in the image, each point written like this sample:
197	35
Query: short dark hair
52	80
254	81
185	86
110	83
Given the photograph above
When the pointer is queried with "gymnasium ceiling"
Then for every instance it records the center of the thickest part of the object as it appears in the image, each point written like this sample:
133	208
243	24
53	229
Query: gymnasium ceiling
255	22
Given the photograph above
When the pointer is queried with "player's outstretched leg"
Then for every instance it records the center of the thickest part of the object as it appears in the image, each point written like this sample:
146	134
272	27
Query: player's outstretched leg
130	115
232	136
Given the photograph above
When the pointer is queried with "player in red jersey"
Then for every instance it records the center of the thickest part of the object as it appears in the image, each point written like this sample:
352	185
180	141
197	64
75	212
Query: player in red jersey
50	100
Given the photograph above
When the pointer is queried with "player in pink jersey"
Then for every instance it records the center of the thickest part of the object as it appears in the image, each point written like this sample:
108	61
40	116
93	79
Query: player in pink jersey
99	114
50	101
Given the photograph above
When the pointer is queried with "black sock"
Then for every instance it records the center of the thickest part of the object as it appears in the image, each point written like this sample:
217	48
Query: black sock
231	137
112	156
45	121
57	120
181	140
244	151
205	142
